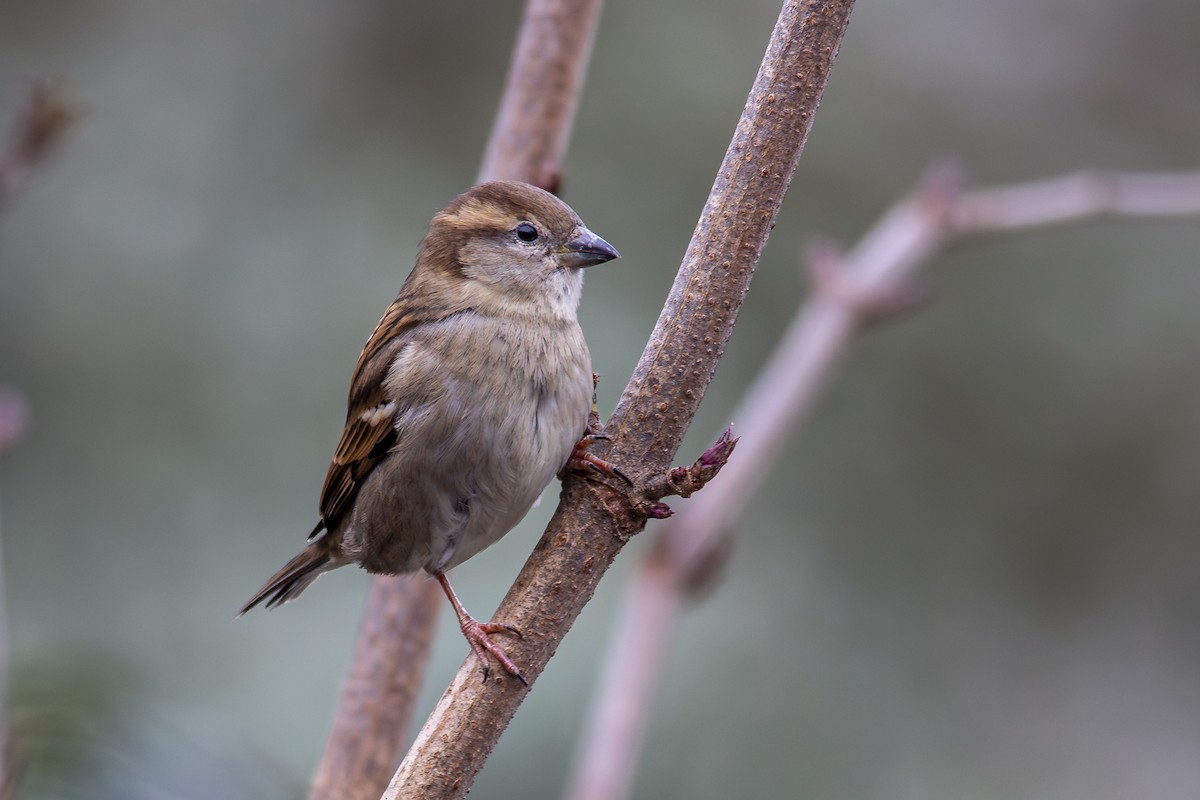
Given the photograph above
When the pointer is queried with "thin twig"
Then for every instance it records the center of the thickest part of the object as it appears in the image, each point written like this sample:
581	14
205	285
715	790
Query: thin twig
47	115
594	519
615	728
848	291
527	143
38	130
13	418
1078	196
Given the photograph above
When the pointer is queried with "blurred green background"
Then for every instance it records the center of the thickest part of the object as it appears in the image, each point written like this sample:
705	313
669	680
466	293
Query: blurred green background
974	577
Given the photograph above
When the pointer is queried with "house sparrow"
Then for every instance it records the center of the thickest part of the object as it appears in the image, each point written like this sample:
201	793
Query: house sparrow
470	396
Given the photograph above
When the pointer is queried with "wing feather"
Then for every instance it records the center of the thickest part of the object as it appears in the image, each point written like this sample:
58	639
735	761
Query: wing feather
370	417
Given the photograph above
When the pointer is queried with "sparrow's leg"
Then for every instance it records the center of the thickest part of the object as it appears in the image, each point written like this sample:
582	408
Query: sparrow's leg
583	460
478	633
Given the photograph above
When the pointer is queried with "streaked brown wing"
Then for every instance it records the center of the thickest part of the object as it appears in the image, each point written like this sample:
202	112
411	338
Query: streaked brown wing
369	432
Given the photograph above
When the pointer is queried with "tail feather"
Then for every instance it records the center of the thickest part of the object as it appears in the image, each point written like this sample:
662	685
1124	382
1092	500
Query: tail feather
287	584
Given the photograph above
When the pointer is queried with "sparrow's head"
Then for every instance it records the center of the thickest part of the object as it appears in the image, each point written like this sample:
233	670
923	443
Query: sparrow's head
513	248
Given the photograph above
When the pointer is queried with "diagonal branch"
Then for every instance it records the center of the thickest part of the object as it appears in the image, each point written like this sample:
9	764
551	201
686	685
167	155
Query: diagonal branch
594	520
849	291
527	143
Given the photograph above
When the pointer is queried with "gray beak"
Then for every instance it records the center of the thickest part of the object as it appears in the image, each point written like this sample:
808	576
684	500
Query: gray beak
586	249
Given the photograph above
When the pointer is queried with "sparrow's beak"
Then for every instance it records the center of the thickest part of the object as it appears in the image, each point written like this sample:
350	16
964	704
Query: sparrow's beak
586	249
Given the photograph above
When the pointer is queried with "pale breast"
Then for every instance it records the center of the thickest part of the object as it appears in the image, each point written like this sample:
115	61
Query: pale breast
484	423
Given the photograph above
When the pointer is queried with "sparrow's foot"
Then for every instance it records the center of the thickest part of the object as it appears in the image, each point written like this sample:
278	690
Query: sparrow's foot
478	634
583	460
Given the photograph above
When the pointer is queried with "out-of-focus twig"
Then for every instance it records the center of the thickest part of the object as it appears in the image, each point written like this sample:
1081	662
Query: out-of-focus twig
1078	196
527	143
594	519
874	279
374	709
40	126
537	110
13	418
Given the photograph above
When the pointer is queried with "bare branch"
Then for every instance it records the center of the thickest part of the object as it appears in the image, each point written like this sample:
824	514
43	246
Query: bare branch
47	115
594	519
533	124
848	291
39	128
370	726
1078	196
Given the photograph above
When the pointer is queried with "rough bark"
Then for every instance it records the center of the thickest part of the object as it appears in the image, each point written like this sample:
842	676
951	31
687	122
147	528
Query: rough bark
595	519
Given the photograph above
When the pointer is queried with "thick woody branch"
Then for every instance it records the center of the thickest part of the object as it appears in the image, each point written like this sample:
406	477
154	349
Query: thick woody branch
371	722
594	519
533	125
527	143
849	291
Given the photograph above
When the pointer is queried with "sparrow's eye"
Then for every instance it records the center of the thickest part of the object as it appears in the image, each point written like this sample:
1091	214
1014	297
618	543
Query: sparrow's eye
526	232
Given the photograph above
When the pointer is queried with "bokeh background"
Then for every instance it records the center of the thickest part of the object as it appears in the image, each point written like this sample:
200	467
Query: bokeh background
974	576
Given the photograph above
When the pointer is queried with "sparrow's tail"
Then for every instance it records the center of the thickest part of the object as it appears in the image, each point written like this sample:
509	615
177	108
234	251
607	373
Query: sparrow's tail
296	575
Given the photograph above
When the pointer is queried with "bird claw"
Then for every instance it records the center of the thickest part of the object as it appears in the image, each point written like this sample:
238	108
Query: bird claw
478	635
583	460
